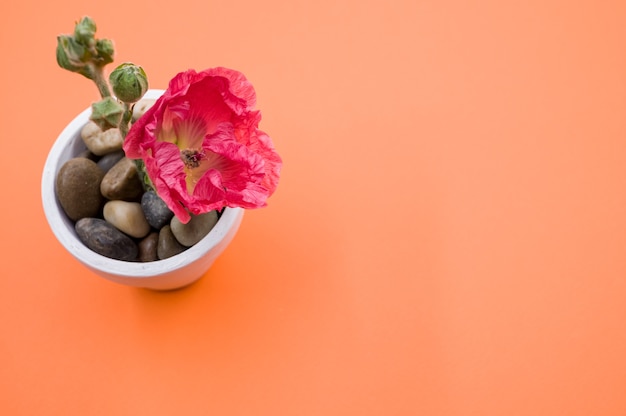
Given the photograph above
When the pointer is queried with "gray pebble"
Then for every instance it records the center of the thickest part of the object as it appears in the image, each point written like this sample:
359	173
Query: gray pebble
107	161
88	154
192	232
122	181
156	211
104	239
168	245
148	247
78	188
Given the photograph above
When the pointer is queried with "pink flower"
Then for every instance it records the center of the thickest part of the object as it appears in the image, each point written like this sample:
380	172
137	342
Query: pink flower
202	147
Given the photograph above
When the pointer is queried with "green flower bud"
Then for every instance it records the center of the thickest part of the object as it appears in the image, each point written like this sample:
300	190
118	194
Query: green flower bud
107	113
85	31
73	56
105	50
129	82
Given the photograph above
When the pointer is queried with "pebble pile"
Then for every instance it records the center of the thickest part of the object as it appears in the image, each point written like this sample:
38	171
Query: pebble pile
102	192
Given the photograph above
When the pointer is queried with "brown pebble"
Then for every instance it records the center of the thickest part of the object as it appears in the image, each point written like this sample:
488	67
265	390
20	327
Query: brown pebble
78	188
148	247
122	181
168	245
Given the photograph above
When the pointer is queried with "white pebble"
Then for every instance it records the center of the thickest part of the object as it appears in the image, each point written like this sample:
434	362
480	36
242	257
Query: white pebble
127	217
141	107
101	142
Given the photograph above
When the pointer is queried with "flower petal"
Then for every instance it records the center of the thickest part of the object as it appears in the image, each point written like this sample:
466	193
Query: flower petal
168	176
209	116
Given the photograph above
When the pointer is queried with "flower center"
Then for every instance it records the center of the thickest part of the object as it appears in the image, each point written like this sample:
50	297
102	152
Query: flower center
191	157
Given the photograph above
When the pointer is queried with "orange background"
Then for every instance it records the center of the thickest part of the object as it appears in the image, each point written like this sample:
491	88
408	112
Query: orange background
448	237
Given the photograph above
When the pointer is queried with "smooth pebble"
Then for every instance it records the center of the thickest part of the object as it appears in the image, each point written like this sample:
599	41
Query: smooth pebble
141	107
148	247
101	142
109	160
168	245
197	227
127	217
78	188
105	239
122	181
156	211
89	155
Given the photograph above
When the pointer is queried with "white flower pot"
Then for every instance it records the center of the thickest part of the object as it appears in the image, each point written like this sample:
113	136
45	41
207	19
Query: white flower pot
172	273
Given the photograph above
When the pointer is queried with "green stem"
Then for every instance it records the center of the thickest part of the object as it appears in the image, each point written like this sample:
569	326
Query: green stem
128	115
143	175
101	83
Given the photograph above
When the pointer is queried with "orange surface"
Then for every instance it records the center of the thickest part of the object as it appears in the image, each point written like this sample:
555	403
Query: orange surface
448	238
